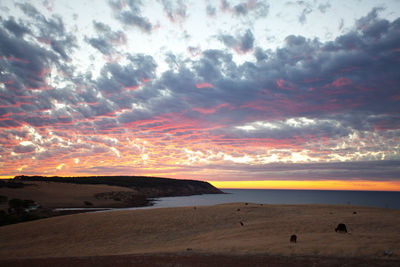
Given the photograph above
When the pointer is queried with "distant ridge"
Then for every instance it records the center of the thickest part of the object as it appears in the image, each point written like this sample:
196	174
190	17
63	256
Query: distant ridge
149	186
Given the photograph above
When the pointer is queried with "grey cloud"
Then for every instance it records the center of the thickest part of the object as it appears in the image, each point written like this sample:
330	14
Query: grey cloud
51	30
256	8
101	44
133	16
107	39
228	40
304	78
101	27
247	41
25	65
260	54
132	19
225	5
116	78
18	29
26	60
194	51
24	149
64	47
29	10
214	64
241	9
242	43
303	15
175	10
324	7
211	11
369	19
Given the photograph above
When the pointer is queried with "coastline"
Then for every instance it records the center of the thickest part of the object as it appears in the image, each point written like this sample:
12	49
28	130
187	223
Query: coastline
37	197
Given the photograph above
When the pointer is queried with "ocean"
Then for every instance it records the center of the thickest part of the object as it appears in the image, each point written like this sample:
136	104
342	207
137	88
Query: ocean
357	198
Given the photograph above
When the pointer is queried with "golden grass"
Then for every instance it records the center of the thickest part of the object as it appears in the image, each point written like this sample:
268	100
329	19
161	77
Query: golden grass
55	195
214	229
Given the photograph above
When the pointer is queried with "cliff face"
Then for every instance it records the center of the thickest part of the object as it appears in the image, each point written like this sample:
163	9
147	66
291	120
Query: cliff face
151	187
184	188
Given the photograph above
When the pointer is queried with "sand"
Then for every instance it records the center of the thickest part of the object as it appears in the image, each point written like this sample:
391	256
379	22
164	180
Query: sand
63	195
212	230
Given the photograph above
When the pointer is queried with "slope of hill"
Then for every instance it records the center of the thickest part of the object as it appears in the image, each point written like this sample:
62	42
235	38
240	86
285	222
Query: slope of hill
149	186
231	229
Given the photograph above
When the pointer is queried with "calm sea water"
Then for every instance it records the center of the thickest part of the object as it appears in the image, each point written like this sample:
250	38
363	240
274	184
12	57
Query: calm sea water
358	198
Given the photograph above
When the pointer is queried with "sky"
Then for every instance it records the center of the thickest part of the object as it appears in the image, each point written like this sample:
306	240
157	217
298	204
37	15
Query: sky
247	94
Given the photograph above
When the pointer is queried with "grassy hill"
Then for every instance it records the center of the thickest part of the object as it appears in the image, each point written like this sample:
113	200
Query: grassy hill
149	186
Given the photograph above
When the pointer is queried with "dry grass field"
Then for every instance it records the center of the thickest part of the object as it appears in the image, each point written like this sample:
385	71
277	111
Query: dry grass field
216	229
55	195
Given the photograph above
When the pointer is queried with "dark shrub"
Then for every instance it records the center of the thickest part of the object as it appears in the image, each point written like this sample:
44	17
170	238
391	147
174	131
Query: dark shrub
88	203
3	199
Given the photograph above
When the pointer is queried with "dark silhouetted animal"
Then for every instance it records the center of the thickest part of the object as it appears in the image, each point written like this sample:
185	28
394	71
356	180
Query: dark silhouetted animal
293	239
241	223
341	228
388	253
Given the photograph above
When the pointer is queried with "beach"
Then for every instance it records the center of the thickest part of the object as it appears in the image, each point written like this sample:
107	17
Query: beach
229	230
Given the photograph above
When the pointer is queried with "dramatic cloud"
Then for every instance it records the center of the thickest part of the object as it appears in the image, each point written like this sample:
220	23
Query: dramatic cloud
201	90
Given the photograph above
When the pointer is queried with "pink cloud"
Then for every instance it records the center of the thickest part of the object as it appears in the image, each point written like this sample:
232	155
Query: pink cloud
311	80
119	40
204	85
205	110
132	87
16	59
44	87
396	97
44	41
341	82
210	110
194	51
282	84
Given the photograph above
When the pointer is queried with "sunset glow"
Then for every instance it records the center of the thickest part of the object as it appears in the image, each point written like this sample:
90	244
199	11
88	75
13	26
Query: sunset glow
310	185
246	94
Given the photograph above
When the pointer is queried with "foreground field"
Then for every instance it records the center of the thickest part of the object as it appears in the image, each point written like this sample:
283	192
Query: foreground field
230	229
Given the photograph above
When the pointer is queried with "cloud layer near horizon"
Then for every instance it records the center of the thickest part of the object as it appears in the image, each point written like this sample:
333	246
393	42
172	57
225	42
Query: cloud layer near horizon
307	109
